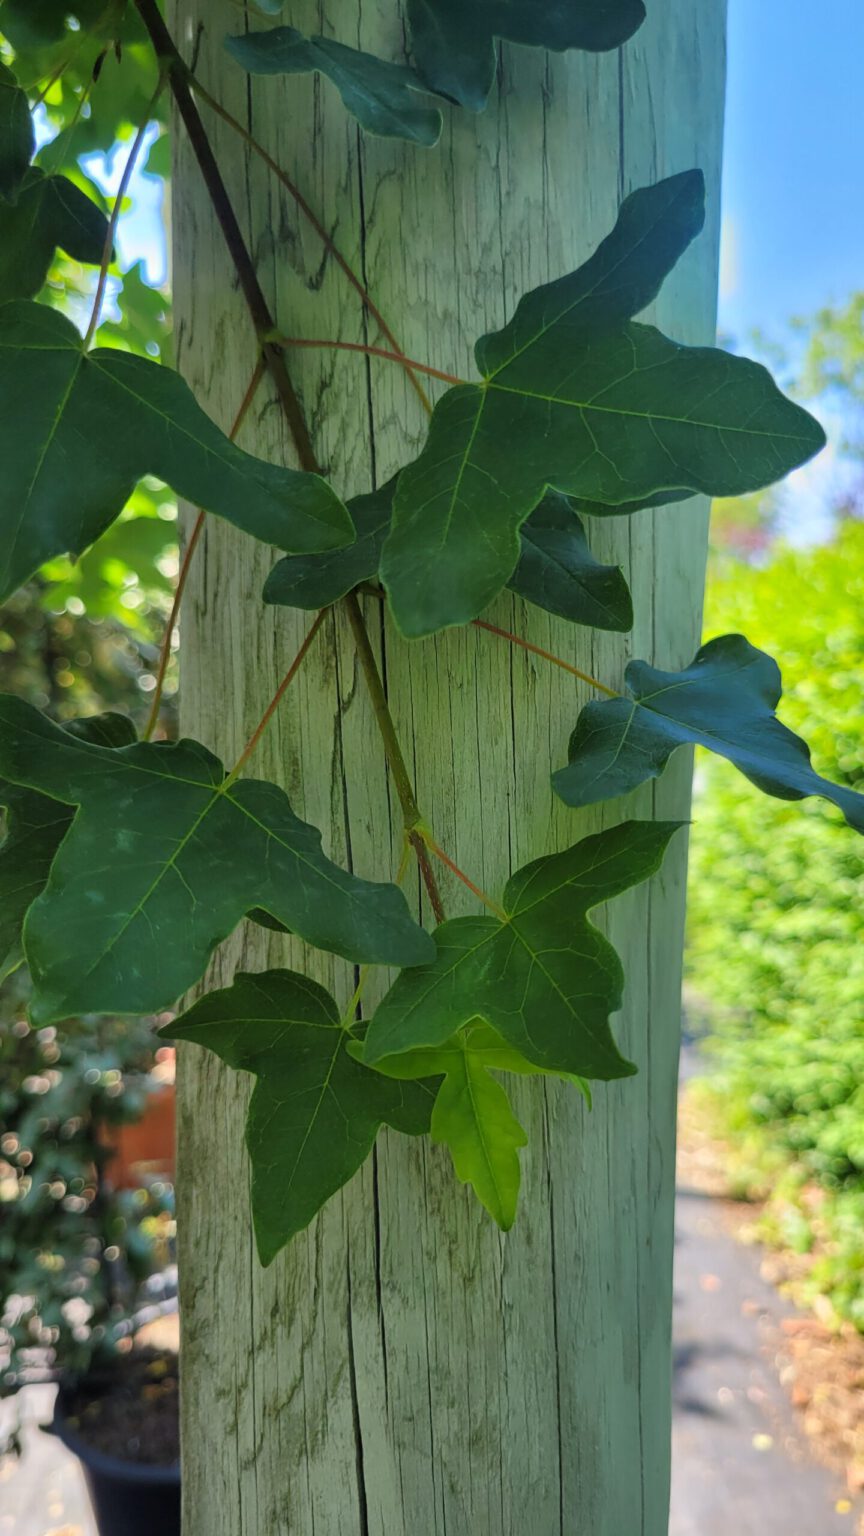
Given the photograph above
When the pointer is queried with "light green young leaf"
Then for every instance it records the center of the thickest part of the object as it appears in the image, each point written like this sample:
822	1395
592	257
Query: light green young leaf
473	1117
578	398
544	977
724	701
35	828
454	42
17	141
383	97
79	429
315	1111
556	569
472	1114
50	212
163	859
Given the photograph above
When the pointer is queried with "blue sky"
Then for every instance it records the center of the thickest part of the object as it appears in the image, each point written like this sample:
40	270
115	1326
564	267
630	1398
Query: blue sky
793	203
793	195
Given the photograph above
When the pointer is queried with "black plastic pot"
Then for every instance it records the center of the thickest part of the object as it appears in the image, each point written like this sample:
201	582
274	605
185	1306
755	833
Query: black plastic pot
128	1499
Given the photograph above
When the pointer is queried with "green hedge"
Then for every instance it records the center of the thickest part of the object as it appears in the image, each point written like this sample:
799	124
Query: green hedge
776	926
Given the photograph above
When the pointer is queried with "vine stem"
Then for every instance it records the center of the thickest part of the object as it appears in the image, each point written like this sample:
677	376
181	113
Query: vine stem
359	346
276	699
349	1018
526	645
404	786
273	357
256	303
461	875
183	574
312	218
123	188
537	650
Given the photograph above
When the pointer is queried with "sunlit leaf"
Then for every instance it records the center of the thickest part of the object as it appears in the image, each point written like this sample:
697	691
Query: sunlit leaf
382	96
79	429
16	138
472	1114
315	1111
163	859
35	828
725	701
577	398
50	212
454	43
542	976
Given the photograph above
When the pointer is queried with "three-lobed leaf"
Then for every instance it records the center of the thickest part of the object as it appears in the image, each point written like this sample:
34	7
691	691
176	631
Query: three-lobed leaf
454	42
577	397
556	569
50	211
726	700
542	975
35	828
385	98
79	429
17	140
315	1111
473	1116
164	857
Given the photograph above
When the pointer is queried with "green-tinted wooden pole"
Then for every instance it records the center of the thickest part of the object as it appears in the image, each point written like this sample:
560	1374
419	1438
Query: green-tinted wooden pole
403	1370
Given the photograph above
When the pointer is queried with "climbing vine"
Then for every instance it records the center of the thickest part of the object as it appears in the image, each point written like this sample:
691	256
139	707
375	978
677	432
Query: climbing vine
127	862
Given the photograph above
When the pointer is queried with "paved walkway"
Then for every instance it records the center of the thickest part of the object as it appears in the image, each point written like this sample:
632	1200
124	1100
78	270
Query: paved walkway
741	1463
741	1466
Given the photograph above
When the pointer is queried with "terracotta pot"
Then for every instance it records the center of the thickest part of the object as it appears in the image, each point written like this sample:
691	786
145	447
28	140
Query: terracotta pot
146	1146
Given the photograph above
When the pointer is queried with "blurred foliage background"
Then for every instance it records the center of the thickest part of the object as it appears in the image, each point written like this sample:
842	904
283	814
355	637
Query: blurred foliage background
775	957
82	637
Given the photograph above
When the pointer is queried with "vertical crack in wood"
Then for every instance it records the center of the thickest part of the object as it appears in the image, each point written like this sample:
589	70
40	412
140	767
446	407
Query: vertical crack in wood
556	1345
362	1498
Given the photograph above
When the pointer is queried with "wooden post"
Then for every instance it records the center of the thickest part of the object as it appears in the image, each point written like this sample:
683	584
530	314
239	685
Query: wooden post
403	1370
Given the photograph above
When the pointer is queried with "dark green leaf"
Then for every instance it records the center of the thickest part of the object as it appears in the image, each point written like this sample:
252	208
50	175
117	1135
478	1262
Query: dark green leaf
383	97
33	23
316	581
725	701
545	978
163	859
78	430
16	139
556	570
577	398
315	1111
36	23
50	212
35	828
454	42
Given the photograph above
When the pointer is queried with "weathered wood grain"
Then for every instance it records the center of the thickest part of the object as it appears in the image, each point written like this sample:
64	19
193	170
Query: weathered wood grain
403	1370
